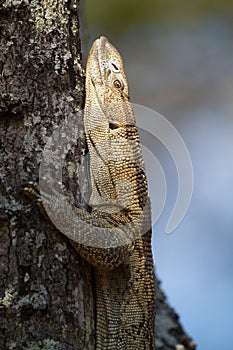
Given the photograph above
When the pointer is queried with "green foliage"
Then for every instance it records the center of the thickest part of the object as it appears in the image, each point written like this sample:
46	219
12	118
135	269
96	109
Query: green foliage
116	16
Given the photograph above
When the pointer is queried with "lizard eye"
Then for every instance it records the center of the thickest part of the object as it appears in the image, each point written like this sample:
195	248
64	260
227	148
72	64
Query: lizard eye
117	84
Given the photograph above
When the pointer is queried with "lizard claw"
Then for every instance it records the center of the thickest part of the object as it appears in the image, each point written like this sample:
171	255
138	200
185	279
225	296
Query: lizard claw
32	190
45	193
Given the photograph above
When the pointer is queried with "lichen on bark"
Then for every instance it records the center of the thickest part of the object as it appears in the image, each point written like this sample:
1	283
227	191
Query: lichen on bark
46	290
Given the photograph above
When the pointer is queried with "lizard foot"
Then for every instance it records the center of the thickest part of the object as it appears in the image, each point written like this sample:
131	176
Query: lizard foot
32	190
45	193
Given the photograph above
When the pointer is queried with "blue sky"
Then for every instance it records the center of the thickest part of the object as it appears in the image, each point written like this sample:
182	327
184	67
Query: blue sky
195	262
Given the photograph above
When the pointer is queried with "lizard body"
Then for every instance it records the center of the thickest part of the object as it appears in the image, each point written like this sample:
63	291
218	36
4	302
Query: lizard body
125	296
119	224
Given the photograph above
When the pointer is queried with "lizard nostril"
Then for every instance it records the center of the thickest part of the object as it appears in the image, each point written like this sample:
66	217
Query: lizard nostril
115	67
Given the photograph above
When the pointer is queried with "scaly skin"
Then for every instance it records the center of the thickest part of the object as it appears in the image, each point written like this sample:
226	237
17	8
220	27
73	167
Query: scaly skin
126	295
118	229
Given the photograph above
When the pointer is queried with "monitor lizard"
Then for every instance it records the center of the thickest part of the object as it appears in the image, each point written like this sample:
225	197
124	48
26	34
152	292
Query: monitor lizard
118	226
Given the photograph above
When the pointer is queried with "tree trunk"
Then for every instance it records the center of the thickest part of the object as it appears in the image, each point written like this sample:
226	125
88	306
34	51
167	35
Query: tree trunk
47	298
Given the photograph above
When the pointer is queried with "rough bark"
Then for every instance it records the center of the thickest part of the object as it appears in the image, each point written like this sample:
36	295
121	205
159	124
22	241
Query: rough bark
169	332
46	290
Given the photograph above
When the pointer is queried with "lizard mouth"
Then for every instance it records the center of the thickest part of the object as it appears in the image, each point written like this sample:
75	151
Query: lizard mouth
100	53
103	54
106	55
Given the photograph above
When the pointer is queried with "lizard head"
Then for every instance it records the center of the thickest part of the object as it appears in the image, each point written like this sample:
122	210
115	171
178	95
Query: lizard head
108	68
107	82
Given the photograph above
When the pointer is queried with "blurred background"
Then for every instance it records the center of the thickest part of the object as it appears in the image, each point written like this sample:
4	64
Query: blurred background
178	58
